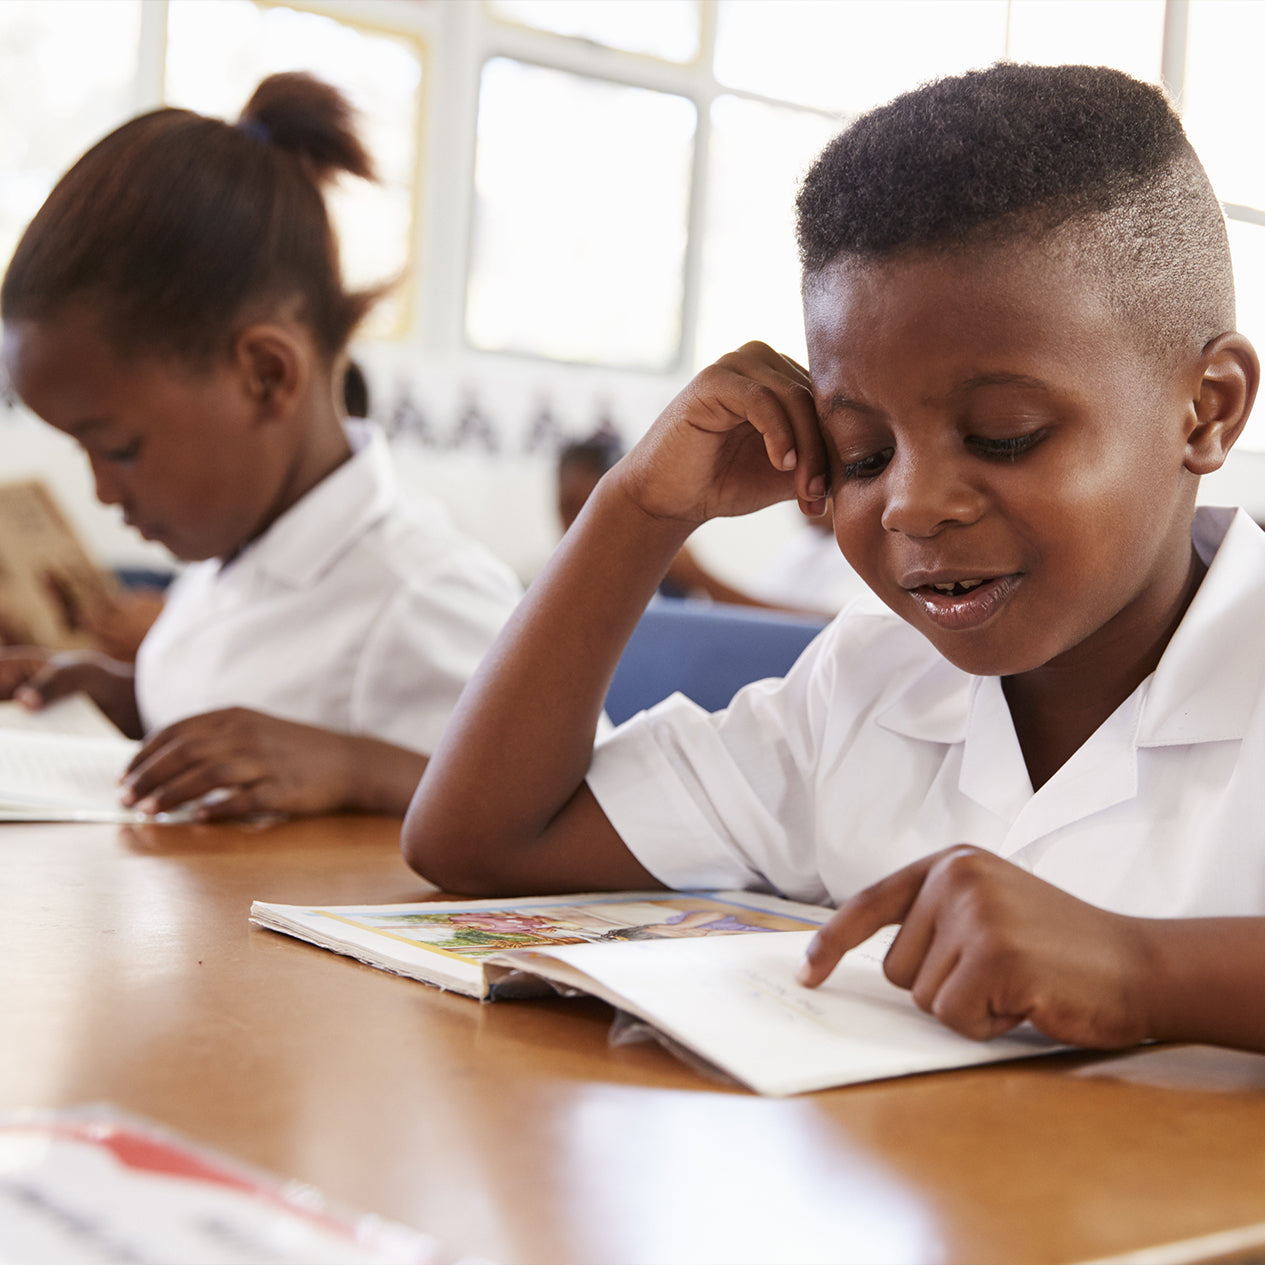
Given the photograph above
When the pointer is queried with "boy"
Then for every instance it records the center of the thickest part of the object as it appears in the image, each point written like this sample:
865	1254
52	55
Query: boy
1020	315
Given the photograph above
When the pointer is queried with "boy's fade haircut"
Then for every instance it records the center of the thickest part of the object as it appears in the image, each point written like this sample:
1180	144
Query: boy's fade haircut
1083	158
178	228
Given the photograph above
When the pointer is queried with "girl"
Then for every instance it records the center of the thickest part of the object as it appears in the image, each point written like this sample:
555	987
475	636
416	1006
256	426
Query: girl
176	307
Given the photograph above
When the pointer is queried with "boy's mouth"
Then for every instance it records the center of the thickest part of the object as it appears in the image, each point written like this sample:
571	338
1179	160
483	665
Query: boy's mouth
960	605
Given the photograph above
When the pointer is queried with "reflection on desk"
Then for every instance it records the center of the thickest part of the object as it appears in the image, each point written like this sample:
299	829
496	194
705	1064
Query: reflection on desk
516	1133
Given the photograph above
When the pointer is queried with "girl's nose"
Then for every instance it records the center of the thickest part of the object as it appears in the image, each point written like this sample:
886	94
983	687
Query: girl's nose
106	481
925	495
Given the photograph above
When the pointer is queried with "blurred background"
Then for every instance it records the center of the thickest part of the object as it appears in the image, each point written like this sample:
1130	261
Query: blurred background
584	201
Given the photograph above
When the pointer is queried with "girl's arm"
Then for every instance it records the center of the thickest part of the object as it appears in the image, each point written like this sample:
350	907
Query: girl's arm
503	806
36	677
984	946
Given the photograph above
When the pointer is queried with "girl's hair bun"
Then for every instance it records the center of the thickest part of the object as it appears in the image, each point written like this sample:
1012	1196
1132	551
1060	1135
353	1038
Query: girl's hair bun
145	223
311	119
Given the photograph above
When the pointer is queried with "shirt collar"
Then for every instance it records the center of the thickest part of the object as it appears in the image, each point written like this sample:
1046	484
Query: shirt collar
313	533
1208	681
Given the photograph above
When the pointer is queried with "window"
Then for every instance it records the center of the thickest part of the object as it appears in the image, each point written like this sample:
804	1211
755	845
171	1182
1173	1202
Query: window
578	245
63	69
218	52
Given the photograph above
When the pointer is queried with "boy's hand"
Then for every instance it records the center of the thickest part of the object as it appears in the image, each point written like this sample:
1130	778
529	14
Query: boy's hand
35	677
984	946
742	435
256	763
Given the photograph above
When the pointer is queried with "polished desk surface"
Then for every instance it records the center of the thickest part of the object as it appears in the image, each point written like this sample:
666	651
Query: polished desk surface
514	1132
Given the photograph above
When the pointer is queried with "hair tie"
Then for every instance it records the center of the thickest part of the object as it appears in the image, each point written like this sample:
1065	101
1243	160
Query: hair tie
255	129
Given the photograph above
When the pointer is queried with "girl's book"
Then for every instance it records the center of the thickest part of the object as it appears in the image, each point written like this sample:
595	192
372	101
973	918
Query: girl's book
62	763
712	973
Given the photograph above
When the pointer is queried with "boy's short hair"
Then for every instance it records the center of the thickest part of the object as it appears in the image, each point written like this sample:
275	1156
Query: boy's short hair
1082	157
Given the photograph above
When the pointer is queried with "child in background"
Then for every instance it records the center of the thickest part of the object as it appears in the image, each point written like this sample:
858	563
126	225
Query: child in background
176	307
1044	758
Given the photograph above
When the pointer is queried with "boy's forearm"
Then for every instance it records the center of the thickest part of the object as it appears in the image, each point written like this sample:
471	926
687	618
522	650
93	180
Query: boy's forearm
1207	981
520	741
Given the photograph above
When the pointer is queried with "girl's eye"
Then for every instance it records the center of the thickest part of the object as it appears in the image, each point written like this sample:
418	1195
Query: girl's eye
868	467
1010	448
124	455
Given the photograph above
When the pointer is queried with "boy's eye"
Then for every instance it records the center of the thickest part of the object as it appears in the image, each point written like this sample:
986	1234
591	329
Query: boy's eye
1010	448
125	454
868	467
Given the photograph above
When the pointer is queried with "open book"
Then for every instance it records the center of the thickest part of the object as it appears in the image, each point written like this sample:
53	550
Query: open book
47	577
62	763
713	973
88	1185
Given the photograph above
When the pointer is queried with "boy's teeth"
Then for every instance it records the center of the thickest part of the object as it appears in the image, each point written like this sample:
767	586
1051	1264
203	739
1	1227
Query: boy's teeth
958	586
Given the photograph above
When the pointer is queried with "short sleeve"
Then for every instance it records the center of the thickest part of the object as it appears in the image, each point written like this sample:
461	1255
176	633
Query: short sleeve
724	799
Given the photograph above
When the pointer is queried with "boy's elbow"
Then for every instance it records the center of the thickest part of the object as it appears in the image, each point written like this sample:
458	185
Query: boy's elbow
450	858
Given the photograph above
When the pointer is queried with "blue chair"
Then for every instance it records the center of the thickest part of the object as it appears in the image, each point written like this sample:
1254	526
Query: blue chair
707	652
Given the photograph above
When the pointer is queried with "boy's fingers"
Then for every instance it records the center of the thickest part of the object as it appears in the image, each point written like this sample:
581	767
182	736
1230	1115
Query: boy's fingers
962	1002
887	901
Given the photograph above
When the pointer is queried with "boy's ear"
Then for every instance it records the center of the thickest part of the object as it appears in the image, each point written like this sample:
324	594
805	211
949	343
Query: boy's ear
273	368
1231	372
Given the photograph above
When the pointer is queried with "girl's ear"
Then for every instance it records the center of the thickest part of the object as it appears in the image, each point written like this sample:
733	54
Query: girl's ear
1223	400
273	367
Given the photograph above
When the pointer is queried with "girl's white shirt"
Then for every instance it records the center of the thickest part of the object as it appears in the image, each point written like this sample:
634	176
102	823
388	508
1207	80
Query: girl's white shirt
354	611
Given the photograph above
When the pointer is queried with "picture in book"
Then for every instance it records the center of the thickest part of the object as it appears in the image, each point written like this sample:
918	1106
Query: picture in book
47	578
476	933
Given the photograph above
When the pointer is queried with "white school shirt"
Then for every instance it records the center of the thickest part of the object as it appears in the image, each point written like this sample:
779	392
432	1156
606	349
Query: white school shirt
810	573
876	751
354	611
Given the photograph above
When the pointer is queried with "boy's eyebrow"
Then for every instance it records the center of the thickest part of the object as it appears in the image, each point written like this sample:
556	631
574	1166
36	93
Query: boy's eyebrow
845	403
840	403
1000	380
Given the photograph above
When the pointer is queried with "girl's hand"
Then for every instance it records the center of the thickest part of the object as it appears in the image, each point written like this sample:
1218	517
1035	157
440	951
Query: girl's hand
259	764
984	945
18	664
742	435
36	678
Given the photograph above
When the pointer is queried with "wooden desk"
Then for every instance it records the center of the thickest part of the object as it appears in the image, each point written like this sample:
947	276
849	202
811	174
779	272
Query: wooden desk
131	975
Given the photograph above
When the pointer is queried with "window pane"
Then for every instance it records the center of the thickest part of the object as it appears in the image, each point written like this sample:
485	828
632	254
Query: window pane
582	191
750	285
1247	245
662	28
1126	34
848	57
217	53
67	74
1224	99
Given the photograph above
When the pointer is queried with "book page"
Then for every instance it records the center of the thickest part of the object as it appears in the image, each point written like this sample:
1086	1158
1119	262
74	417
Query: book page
734	1001
52	776
74	714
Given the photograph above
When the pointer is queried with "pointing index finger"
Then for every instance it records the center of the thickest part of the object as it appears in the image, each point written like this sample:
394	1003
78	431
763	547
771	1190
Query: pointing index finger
883	903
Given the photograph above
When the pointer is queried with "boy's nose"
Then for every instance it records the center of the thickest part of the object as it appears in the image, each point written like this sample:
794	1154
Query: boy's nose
925	495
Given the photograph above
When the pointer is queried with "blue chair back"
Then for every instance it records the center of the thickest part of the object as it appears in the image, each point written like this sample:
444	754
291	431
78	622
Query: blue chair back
705	651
